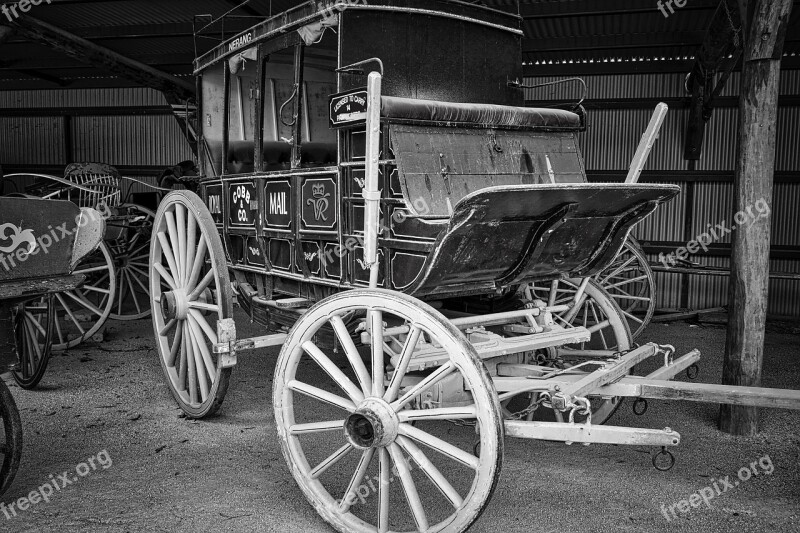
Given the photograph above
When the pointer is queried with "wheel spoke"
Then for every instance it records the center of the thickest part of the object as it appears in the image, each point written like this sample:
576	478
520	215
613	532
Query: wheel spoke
203	285
321	395
85	303
625	282
446	413
316	427
190	360
70	313
200	366
333	371
443	447
180	216
91	270
200	344
433	473
597	321
409	487
175	248
352	354
202	306
378	366
337	456
191	242
402	366
383	490
617	270
355	481
166	329
204	325
184	360
165	276
176	345
199	261
133	293
441	373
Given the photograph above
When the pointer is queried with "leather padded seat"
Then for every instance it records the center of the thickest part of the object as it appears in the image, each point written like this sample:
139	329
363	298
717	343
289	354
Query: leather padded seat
486	115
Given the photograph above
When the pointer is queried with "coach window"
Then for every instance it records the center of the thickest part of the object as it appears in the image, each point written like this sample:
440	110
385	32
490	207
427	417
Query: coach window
278	95
318	146
213	119
242	105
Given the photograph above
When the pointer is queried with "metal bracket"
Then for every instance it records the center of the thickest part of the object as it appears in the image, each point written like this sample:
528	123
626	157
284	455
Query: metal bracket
226	337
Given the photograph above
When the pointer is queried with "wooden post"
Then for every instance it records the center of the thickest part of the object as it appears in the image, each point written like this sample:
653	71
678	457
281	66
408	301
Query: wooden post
764	24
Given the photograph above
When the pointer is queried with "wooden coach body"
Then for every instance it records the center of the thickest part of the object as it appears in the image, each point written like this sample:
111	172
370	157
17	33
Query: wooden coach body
478	192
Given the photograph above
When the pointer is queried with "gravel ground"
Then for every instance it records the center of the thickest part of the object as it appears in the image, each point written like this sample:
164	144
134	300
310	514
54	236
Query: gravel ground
165	473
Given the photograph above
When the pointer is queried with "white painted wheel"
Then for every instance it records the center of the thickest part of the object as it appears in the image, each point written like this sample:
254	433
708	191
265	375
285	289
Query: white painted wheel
190	291
598	313
365	441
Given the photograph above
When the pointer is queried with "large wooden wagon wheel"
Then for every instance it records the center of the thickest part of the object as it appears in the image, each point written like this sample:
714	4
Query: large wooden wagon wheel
365	441
10	439
131	252
33	328
190	290
599	313
82	312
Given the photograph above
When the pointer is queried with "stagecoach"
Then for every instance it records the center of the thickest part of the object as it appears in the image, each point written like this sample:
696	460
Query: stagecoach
420	245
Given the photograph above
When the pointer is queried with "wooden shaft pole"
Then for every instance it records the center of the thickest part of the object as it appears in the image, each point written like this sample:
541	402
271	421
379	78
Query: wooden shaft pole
765	23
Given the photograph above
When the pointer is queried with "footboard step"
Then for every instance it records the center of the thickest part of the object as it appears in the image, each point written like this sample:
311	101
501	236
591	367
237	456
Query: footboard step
591	434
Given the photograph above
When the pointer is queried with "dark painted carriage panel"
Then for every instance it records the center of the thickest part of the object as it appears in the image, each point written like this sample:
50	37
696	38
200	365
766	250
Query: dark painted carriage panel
507	235
440	166
36	238
433	58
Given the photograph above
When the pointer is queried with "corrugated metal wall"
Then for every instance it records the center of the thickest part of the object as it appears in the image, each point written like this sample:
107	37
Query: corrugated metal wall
615	127
137	135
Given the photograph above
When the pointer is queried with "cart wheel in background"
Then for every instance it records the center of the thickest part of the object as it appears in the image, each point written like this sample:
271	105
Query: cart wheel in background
81	313
33	327
190	292
632	284
11	438
367	445
131	253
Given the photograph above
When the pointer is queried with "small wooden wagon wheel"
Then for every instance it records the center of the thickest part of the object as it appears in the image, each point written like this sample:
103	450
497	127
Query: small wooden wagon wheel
81	313
10	439
190	290
347	427
629	280
33	328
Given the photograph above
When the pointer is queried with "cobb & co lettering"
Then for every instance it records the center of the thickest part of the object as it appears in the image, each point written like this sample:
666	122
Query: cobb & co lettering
243	202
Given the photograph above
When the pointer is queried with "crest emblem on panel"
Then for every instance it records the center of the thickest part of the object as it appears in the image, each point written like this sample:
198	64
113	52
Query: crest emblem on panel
319	211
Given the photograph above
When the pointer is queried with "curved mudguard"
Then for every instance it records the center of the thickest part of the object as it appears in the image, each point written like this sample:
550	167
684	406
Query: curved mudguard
504	236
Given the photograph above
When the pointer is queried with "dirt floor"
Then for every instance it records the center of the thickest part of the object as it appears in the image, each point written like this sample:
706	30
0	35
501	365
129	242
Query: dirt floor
156	471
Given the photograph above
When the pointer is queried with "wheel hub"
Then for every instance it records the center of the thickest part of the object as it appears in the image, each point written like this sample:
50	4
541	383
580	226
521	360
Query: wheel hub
175	305
373	425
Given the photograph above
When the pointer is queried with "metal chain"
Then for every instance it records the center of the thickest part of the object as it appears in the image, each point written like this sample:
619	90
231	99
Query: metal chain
737	30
